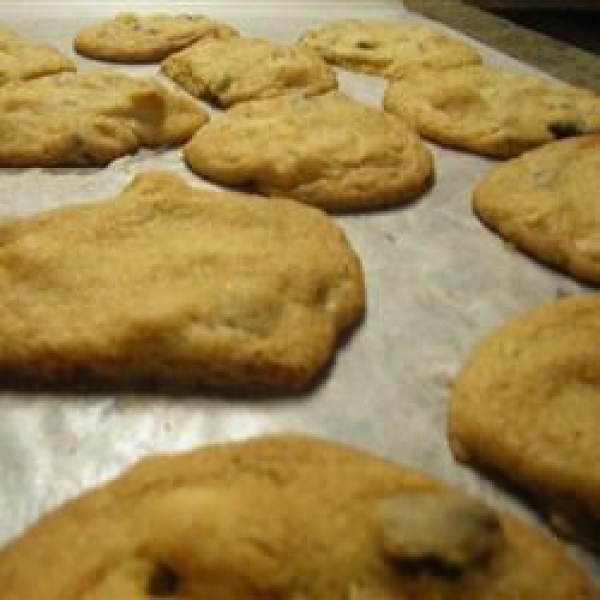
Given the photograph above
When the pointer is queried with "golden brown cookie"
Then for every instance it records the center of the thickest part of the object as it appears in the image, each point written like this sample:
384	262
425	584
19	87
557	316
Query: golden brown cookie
131	38
175	285
492	112
239	69
546	203
283	517
327	150
22	59
527	405
389	49
90	119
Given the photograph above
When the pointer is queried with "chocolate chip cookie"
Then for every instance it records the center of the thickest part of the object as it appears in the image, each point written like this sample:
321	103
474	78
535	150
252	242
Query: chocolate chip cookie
238	69
492	112
177	287
283	517
22	59
389	49
545	203
131	38
526	404
90	119
326	150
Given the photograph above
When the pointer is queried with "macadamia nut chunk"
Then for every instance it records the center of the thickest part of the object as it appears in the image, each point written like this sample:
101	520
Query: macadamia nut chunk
438	533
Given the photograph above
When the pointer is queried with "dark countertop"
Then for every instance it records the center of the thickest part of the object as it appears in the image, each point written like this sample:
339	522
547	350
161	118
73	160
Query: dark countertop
563	60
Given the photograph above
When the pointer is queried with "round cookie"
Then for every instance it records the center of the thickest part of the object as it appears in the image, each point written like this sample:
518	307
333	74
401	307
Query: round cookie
131	38
90	119
22	59
282	517
178	287
326	150
492	112
389	49
545	202
239	69
526	404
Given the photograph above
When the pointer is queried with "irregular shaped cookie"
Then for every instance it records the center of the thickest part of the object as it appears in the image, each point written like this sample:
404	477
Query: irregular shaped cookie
492	112
546	202
389	49
239	69
131	38
176	285
22	59
326	150
527	405
90	119
283	517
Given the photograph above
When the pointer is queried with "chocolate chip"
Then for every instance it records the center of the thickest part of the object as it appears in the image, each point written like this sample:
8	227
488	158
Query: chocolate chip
428	565
564	129
366	45
163	582
222	85
562	293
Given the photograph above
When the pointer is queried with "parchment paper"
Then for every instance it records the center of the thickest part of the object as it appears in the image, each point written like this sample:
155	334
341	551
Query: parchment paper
437	281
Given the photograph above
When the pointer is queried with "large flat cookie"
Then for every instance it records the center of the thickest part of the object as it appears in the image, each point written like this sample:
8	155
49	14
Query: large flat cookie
326	150
90	119
239	69
131	38
527	405
174	285
22	59
546	202
389	49
492	112
283	517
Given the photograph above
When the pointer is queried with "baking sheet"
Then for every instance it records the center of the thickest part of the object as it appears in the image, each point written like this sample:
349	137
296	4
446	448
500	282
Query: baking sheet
437	281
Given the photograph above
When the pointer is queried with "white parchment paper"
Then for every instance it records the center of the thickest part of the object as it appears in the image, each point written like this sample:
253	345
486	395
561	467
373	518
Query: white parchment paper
437	281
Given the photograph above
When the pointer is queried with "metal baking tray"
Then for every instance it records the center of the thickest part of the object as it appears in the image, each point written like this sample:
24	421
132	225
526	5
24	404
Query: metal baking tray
437	281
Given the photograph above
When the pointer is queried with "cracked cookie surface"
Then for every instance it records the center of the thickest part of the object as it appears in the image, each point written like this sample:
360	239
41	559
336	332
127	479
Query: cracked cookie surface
176	286
389	49
326	150
526	404
283	517
545	203
492	112
22	59
230	71
131	38
74	119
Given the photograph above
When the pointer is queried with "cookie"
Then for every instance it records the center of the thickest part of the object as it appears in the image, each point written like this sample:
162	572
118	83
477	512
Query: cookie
22	59
283	517
492	112
177	286
239	69
130	38
527	405
325	150
389	49
545	202
90	119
